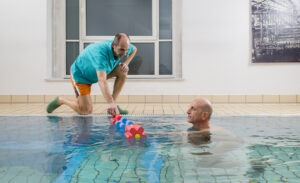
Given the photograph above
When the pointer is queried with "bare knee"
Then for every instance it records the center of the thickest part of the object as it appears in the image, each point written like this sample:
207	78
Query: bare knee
122	76
84	110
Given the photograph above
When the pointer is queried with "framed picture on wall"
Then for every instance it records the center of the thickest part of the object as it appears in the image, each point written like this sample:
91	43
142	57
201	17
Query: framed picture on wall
275	28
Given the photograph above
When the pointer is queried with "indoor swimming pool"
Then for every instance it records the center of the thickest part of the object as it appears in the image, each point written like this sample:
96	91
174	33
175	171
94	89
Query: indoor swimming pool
63	149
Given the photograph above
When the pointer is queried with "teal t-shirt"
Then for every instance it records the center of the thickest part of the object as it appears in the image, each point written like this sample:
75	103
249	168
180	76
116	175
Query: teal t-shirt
96	57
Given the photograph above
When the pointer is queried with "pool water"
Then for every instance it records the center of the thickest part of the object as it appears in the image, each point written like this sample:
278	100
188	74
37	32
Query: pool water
90	149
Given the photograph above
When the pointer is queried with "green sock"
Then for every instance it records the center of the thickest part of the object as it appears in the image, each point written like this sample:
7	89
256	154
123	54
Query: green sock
121	110
52	105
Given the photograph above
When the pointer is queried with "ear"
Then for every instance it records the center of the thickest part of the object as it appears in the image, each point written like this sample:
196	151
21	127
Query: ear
113	45
204	115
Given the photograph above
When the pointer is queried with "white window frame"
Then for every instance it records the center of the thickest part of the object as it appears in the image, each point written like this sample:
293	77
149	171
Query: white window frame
59	39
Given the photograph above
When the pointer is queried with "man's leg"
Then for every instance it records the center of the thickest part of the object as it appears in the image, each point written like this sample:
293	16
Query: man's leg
83	105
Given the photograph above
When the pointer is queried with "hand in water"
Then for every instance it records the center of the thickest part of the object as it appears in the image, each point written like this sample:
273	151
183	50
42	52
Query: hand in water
112	109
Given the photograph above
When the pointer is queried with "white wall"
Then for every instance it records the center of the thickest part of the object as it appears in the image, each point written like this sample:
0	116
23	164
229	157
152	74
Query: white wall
216	44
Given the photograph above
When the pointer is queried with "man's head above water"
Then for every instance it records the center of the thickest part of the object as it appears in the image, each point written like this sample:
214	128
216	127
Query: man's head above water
199	113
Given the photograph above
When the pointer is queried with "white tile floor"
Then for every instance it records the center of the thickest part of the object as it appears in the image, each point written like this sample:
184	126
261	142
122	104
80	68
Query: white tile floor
138	108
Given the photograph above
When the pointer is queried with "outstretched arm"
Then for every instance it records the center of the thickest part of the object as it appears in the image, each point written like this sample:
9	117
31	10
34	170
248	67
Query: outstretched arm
102	81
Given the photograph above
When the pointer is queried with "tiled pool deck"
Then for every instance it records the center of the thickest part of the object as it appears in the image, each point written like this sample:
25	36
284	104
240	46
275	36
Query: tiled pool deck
158	109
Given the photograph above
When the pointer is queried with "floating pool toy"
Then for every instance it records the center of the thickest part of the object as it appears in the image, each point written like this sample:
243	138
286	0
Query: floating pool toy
131	130
115	118
134	131
137	136
122	123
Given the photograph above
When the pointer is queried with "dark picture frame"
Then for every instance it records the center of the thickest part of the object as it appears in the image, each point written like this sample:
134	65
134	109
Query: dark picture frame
275	28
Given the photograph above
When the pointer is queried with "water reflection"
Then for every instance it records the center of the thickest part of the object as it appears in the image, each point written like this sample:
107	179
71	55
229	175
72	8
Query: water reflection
89	148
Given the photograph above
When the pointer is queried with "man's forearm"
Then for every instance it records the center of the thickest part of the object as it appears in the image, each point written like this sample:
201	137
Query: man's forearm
130	56
105	91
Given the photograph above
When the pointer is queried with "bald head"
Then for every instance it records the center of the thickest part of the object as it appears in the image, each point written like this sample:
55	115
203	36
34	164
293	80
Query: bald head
199	113
205	105
120	45
121	37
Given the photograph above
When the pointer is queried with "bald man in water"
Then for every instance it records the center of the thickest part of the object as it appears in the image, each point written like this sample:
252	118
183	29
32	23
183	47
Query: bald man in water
199	114
97	63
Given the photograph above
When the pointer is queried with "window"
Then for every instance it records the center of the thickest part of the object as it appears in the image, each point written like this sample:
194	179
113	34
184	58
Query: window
150	24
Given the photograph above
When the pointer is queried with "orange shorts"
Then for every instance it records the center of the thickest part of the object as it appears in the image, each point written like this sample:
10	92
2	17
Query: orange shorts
80	88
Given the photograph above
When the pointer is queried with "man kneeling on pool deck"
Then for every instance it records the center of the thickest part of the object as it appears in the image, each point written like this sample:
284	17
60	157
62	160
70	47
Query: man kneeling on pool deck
97	63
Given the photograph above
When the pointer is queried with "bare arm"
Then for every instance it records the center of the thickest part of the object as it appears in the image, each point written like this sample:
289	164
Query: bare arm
179	133
130	56
102	82
124	66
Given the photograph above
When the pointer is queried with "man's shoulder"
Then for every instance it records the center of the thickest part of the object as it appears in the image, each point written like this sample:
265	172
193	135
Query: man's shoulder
103	44
99	48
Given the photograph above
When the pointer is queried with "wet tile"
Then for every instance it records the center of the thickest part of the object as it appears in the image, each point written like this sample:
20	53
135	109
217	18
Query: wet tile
254	98
220	99
36	98
93	98
237	99
136	99
186	98
123	99
170	98
298	98
49	98
100	99
158	108
5	99
19	99
270	99
208	97
153	98
288	98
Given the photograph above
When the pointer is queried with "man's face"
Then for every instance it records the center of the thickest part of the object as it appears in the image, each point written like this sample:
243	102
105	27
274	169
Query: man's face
121	49
194	113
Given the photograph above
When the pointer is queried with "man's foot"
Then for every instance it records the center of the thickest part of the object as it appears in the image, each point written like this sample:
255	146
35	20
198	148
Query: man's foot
53	105
121	110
